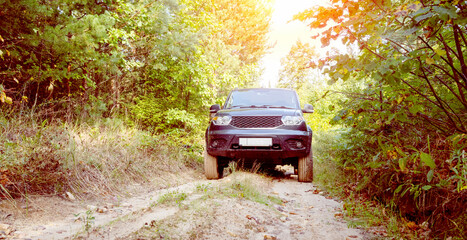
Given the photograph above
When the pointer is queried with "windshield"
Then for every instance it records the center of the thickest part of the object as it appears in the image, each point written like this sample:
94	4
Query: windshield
280	98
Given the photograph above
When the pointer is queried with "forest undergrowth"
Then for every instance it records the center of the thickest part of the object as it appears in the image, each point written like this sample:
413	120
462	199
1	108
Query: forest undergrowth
87	159
374	200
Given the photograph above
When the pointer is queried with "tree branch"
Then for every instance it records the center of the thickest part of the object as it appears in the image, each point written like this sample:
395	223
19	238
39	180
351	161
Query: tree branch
417	91
449	61
460	53
399	45
440	101
459	96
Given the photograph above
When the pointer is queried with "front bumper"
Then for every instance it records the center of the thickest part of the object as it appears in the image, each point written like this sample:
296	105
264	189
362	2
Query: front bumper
286	143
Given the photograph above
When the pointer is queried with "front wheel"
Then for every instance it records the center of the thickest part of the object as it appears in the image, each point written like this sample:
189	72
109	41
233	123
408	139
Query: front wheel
305	168
211	167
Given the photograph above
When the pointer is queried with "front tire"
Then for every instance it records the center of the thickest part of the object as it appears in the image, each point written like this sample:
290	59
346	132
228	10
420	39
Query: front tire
211	167
305	168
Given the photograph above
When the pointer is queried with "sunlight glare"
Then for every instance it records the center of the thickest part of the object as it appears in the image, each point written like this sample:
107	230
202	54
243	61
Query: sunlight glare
284	33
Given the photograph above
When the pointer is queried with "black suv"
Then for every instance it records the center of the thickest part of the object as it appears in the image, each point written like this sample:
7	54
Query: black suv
264	125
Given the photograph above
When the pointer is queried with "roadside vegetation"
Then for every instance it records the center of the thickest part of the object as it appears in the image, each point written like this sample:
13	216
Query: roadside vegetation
390	126
95	95
97	159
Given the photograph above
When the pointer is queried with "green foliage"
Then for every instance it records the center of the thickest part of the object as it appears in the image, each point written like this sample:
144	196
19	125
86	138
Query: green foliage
88	220
74	59
172	197
296	72
406	55
156	118
403	104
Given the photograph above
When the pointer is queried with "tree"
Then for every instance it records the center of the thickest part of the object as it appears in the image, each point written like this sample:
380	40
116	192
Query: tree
196	64
296	69
155	58
418	44
405	107
245	25
55	50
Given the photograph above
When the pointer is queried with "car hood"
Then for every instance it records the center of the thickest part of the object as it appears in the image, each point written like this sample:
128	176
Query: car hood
260	112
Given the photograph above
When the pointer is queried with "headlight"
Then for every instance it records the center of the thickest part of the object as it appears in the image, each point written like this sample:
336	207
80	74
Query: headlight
292	120
222	120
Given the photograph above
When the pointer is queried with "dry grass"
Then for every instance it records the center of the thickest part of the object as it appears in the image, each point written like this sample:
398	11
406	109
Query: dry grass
86	159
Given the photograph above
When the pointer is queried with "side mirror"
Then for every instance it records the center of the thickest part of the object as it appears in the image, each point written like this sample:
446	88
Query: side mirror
308	108
214	108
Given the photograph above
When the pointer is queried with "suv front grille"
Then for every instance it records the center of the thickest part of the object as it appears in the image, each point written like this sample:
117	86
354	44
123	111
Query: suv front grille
256	121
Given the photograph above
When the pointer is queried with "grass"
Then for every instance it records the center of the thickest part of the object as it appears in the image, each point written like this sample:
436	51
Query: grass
245	186
359	211
98	158
172	197
197	216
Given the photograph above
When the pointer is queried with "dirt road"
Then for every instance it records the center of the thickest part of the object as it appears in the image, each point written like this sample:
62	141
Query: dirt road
240	206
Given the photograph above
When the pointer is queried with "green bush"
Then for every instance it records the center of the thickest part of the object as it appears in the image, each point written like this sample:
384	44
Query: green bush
159	119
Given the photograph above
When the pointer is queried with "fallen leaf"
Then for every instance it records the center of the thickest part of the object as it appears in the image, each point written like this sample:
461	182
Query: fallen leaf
70	196
339	215
412	225
269	237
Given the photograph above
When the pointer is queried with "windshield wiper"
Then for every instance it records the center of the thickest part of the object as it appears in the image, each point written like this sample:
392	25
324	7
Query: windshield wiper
275	106
248	106
240	106
260	106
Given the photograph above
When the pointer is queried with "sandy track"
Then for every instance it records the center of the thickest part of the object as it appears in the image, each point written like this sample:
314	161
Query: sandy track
303	214
310	215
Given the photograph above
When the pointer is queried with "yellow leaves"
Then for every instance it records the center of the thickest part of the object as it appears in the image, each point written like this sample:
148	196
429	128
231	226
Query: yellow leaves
337	29
438	50
400	99
391	154
343	71
430	61
412	225
5	99
1	39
